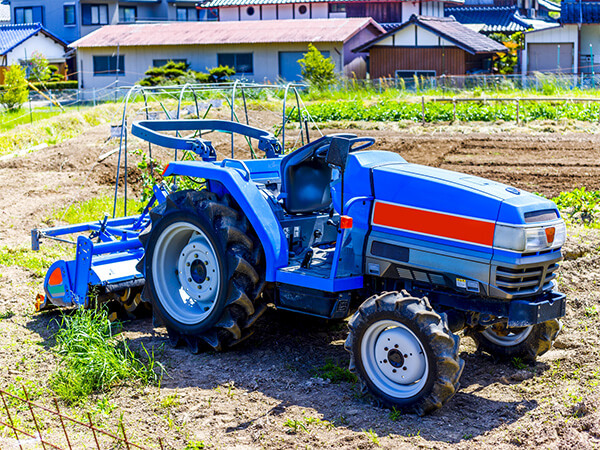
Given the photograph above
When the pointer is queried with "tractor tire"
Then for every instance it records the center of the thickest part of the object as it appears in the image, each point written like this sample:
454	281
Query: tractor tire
404	353
527	342
204	270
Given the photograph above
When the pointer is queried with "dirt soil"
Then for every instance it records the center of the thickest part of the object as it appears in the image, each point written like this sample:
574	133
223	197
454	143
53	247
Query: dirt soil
265	392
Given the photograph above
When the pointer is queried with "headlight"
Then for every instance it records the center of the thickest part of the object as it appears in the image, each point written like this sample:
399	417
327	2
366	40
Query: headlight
530	239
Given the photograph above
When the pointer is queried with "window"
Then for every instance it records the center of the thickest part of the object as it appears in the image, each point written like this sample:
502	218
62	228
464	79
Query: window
187	14
337	7
127	13
250	10
107	65
163	62
94	14
30	14
302	9
69	14
212	15
241	62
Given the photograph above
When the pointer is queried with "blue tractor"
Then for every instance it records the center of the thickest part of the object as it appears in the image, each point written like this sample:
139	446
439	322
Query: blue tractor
414	254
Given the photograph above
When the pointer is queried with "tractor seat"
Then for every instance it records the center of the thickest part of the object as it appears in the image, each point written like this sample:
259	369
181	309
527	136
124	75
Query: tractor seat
305	180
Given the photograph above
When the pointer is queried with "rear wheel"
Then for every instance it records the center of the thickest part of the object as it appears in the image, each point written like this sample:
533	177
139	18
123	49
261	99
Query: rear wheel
521	342
203	270
404	353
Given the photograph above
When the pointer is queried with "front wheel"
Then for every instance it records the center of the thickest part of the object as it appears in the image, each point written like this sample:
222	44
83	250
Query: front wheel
203	270
524	342
404	353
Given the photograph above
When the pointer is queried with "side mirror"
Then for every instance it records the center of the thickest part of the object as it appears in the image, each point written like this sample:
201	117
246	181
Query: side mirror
338	152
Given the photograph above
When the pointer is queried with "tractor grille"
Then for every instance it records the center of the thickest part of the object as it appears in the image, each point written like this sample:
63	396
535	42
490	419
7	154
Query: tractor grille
525	281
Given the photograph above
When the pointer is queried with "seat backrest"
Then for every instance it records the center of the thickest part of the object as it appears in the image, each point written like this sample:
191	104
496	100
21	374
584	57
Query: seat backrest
305	181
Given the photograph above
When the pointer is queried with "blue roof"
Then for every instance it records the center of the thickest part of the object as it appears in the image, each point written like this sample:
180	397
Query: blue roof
13	35
579	12
495	19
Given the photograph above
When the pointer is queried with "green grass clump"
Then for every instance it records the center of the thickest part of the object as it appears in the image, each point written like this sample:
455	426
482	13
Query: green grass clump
94	209
92	359
36	262
335	373
580	206
10	119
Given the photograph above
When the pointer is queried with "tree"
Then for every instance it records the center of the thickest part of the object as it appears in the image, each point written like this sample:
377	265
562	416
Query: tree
316	69
15	90
505	63
39	68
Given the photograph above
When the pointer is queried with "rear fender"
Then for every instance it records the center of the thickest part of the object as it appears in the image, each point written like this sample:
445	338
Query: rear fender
237	182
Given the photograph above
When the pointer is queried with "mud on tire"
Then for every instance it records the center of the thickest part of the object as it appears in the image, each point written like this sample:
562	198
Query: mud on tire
204	270
527	342
404	353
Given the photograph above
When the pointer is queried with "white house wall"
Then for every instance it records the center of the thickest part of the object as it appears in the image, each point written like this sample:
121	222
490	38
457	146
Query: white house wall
566	34
53	51
229	14
269	12
590	36
408	37
435	9
408	9
320	11
200	58
285	11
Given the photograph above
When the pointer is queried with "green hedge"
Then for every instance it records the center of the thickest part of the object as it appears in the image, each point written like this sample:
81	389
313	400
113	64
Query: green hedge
443	112
52	85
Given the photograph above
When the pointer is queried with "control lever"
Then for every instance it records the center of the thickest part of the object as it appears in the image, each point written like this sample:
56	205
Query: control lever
307	259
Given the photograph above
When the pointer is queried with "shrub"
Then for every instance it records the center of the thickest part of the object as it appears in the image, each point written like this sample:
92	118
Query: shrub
316	69
180	73
56	85
15	90
39	69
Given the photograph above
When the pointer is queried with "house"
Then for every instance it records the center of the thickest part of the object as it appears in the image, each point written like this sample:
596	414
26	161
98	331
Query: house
530	9
19	42
259	51
430	46
73	19
382	11
569	47
497	19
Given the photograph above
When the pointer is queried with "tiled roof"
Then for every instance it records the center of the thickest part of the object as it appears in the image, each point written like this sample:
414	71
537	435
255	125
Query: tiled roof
5	13
235	32
13	35
579	12
449	29
493	18
550	5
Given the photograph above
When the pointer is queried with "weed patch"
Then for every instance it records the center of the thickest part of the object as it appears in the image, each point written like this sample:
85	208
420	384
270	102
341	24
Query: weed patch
36	262
92	359
94	209
335	373
580	206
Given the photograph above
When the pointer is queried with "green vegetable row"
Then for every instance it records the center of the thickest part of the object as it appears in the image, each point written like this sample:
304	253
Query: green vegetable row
443	112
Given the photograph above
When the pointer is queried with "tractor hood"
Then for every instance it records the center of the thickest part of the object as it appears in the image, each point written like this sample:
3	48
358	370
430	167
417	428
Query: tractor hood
437	202
455	193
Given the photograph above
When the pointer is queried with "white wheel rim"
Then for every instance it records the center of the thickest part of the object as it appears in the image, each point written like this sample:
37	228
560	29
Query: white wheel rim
186	273
510	340
394	359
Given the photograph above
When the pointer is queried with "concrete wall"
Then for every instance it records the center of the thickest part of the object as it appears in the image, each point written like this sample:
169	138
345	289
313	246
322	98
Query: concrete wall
274	12
53	51
200	58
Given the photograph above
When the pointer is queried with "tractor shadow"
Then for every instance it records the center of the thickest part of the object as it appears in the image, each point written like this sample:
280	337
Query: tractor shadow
301	363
